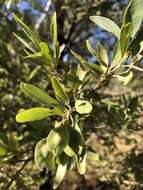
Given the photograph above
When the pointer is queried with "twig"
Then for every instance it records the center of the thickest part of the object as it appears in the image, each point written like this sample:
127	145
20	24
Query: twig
133	67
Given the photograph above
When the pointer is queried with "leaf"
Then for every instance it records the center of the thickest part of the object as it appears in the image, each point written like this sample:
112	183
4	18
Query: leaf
26	44
40	159
58	139
49	157
106	24
61	171
127	14
124	37
81	165
75	144
80	72
34	114
93	67
54	28
90	48
134	46
137	15
45	51
3	148
116	57
37	94
134	14
102	54
125	78
59	91
83	106
33	73
27	31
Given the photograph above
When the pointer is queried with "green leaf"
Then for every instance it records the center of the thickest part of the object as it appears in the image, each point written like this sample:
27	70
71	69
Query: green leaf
126	78
93	67
102	54
42	157
49	157
124	37
137	15
106	24
33	73
38	156
37	94
54	28
27	31
58	139
61	171
83	106
90	48
135	45
34	114
80	72
3	148
59	90
26	44
45	51
134	14
75	144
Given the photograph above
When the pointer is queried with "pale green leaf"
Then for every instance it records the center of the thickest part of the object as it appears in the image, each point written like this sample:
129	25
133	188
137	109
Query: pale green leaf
91	66
58	139
27	31
81	165
134	14
38	156
102	54
34	114
60	173
126	78
26	44
54	28
37	94
106	24
83	106
124	37
59	91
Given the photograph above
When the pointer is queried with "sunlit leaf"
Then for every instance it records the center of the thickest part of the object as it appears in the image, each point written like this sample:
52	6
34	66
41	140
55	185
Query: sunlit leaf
60	173
81	165
58	139
126	78
59	91
83	106
37	94
27	31
106	24
34	114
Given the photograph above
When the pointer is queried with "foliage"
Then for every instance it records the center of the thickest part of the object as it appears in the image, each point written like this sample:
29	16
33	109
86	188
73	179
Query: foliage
73	96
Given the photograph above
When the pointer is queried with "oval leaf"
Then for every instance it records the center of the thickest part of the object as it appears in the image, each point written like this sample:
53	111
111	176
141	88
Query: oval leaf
83	106
37	94
106	24
33	114
58	139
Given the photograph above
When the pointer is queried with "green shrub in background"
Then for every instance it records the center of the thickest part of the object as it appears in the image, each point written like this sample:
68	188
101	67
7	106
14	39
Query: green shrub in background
62	110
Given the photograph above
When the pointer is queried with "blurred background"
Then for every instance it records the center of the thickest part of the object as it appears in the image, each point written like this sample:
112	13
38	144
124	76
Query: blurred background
118	161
